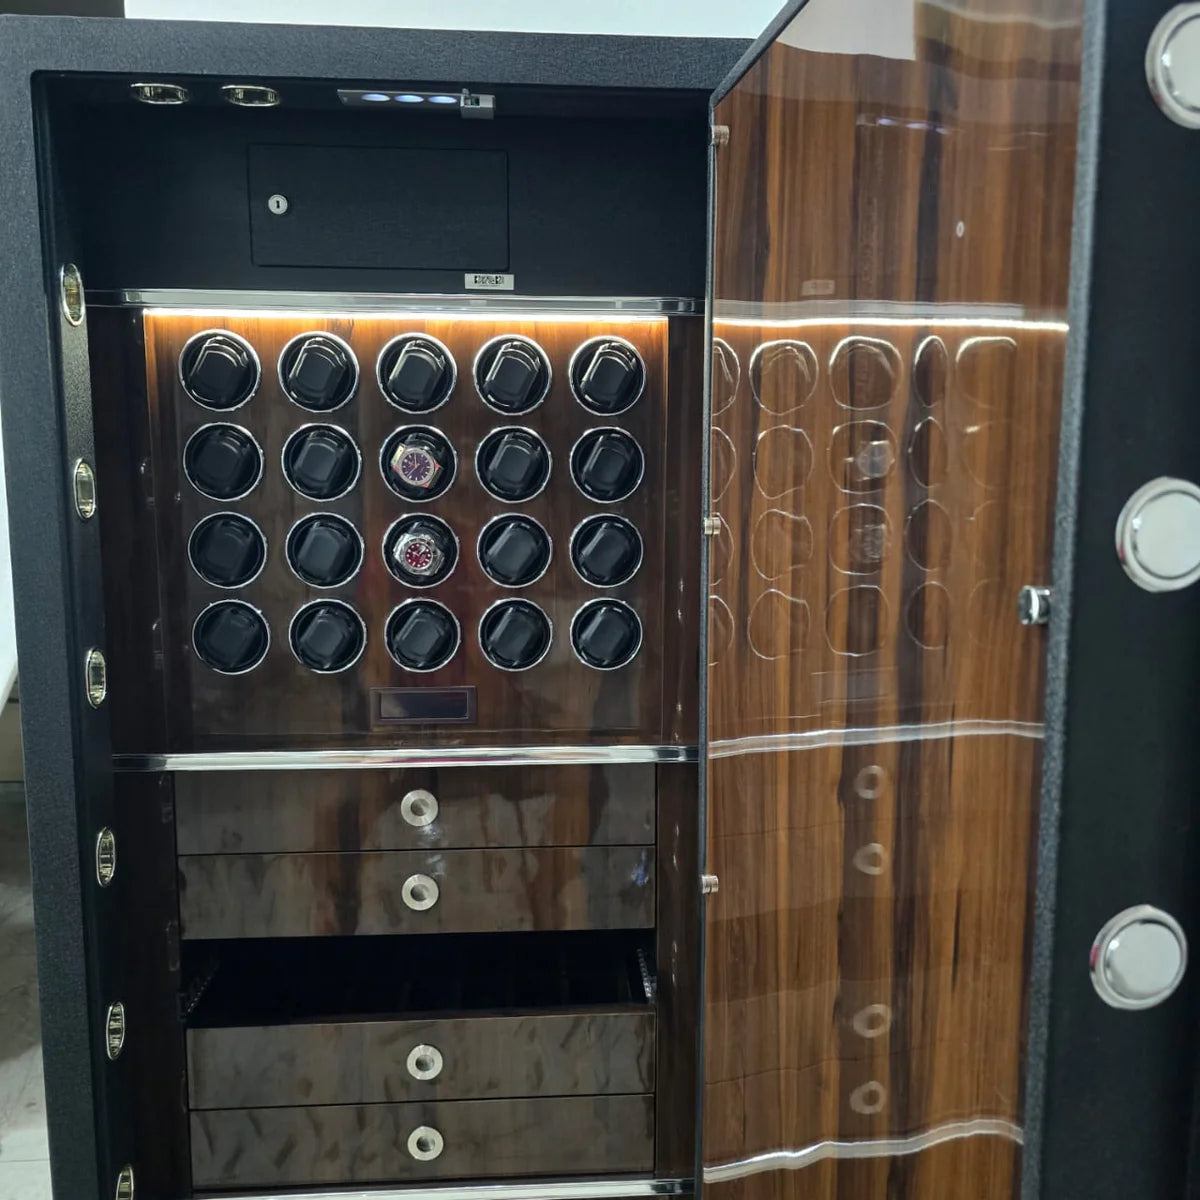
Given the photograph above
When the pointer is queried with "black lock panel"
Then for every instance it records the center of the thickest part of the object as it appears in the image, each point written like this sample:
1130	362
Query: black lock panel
231	637
607	375
512	375
418	462
219	370
606	551
416	373
514	634
318	372
606	634
321	462
324	550
227	550
514	551
607	464
513	464
422	635
223	462
327	636
420	551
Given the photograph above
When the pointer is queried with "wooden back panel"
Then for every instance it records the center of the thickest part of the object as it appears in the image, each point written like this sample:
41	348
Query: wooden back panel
891	259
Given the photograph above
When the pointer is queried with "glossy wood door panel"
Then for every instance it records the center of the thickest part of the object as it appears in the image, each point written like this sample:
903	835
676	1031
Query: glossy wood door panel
473	891
243	812
372	1062
890	288
286	1147
281	702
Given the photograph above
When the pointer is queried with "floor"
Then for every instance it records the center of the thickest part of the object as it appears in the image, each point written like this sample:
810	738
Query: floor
24	1157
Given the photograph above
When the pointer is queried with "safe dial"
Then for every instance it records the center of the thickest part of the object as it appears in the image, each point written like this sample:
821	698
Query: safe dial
606	551
416	372
422	635
231	636
227	550
513	464
321	462
223	462
420	551
512	374
327	636
324	550
219	369
606	634
514	550
607	375
418	463
318	371
515	635
607	465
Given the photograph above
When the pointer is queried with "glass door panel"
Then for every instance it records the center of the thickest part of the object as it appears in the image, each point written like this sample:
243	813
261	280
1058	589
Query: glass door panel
892	235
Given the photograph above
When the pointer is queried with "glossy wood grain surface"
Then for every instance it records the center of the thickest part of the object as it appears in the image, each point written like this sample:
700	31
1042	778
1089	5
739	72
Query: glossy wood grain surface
479	891
367	1062
294	811
291	1147
889	329
283	703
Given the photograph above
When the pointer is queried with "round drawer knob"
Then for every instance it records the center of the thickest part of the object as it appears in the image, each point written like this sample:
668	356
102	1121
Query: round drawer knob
419	808
1173	65
425	1062
419	892
425	1143
1139	958
1158	535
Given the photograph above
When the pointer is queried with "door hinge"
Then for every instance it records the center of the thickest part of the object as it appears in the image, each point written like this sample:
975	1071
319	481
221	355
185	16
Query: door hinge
709	885
720	135
712	526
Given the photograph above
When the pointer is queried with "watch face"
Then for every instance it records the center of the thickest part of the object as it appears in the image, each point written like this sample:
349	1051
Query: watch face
418	554
415	466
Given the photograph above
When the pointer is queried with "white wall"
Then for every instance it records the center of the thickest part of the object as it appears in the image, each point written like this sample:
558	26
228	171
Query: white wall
672	18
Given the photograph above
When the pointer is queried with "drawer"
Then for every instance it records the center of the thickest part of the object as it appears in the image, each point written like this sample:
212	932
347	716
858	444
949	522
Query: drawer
378	1062
454	808
378	1143
458	891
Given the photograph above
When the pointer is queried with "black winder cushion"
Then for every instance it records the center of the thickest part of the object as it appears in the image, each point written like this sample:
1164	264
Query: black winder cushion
513	376
514	634
416	374
606	551
608	377
606	634
318	373
514	464
230	637
327	636
607	464
218	370
320	462
324	550
422	635
227	550
514	550
222	461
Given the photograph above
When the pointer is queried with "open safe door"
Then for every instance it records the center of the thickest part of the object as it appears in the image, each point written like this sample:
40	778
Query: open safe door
892	234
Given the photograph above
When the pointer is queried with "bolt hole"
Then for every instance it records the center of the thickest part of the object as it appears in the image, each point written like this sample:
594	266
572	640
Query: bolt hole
425	1143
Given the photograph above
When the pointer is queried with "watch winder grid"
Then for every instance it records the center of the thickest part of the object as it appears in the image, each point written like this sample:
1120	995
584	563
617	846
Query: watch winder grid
365	506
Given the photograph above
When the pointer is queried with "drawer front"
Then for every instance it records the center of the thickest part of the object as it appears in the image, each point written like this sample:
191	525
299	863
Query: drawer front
378	1062
459	891
295	1147
268	812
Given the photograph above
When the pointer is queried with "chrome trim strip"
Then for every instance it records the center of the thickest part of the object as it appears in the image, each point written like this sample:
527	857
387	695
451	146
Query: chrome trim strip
585	1189
391	302
403	756
812	739
793	1160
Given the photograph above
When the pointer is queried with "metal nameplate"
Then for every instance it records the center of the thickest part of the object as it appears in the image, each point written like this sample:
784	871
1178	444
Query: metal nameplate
477	281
